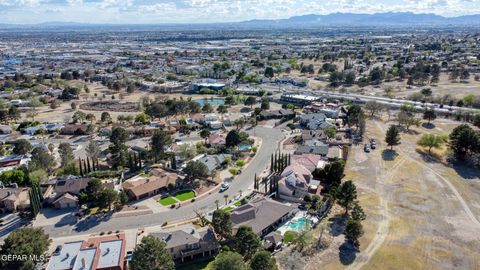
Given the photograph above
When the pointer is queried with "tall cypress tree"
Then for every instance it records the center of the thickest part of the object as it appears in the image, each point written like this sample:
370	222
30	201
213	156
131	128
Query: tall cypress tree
85	167
275	162
80	166
35	202
130	161
174	162
265	185
139	161
271	163
88	165
279	160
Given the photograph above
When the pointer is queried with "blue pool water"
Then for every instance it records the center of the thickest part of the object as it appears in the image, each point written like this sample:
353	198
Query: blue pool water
244	147
215	101
298	225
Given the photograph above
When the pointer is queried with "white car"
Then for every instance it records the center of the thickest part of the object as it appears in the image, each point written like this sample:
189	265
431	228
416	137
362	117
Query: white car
224	187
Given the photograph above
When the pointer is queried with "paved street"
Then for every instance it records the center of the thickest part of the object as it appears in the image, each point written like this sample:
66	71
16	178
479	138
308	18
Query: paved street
270	143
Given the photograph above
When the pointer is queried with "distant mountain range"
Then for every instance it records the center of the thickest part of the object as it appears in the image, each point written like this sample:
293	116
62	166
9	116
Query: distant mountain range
401	19
377	19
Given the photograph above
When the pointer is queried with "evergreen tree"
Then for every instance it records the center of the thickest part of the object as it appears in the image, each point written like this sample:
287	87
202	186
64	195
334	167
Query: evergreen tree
263	260
392	137
80	166
24	242
151	254
246	242
130	162
271	161
346	195
174	162
88	165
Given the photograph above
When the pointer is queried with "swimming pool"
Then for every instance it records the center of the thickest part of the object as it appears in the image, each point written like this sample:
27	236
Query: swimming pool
244	147
297	224
215	101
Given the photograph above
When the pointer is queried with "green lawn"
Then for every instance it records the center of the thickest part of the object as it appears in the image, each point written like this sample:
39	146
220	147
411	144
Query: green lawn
237	203
228	209
289	236
196	266
167	201
185	195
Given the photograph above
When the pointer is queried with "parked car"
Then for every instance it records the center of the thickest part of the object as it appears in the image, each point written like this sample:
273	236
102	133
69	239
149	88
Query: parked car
366	148
224	187
129	256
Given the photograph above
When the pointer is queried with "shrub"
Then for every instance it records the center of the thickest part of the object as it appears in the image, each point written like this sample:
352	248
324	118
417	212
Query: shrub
233	171
240	163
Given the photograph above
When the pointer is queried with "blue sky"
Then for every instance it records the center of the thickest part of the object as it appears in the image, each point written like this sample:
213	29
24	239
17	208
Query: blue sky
188	11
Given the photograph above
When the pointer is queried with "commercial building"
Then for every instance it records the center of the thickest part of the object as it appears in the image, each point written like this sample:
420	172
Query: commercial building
298	99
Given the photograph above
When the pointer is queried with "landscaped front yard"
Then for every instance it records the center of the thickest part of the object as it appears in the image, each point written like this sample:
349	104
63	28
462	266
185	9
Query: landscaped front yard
185	195
178	197
167	201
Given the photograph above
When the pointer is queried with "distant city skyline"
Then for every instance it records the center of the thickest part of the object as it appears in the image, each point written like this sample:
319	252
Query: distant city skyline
210	11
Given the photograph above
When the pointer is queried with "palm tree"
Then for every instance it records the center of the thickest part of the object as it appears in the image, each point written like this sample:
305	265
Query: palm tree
216	203
226	198
240	192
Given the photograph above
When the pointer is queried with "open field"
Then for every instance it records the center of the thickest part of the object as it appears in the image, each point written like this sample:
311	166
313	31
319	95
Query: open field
428	215
422	213
400	89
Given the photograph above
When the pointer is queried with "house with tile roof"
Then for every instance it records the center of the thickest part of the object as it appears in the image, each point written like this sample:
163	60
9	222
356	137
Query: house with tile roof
263	215
309	161
13	199
295	182
188	243
141	187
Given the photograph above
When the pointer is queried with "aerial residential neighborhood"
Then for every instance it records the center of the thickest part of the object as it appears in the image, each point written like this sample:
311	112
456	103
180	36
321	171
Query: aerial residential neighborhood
209	135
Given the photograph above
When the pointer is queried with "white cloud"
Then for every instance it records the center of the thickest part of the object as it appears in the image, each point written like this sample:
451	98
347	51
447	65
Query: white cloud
151	11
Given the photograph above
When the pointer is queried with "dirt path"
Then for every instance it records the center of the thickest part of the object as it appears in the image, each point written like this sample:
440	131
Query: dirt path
423	216
384	224
459	197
